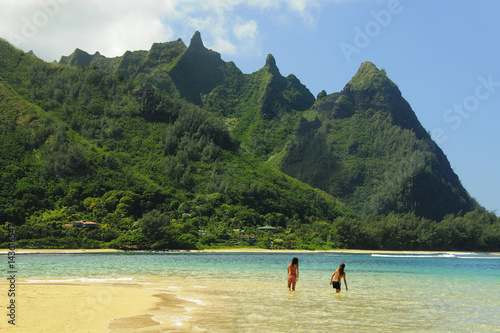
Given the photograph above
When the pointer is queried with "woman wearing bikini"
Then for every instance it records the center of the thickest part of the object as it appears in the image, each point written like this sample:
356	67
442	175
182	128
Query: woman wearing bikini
337	275
293	273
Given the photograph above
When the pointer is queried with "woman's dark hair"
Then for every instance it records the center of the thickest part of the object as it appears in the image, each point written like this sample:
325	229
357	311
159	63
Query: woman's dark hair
295	261
341	269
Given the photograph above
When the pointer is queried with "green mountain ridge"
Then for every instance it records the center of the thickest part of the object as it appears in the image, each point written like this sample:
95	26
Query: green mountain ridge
249	101
264	109
176	148
374	153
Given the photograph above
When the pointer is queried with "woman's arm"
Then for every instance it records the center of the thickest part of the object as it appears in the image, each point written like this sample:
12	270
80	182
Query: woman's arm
331	280
345	282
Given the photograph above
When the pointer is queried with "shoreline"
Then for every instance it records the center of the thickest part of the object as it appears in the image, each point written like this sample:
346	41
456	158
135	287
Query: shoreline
242	250
346	251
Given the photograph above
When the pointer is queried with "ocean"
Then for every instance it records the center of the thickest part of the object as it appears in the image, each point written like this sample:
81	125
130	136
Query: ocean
247	292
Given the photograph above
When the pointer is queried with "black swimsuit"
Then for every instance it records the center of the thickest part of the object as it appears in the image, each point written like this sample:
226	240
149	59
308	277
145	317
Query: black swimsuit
336	284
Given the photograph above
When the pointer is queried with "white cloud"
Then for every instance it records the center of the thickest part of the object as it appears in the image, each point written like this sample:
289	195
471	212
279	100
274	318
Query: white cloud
224	46
301	5
245	30
303	8
265	4
56	27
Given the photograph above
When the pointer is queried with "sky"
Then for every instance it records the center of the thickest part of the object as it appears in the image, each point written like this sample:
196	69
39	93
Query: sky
444	55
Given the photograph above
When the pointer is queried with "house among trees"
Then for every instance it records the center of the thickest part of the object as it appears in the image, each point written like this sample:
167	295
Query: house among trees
84	224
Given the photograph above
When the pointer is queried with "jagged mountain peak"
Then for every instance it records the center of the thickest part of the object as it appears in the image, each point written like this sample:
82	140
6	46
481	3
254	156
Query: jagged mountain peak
270	65
370	77
77	58
198	70
270	61
370	92
367	66
196	40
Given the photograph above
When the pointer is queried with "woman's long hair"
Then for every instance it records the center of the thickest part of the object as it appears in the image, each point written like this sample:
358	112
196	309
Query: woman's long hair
295	261
341	269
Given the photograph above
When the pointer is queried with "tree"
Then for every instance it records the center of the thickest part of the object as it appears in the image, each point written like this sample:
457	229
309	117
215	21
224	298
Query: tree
152	225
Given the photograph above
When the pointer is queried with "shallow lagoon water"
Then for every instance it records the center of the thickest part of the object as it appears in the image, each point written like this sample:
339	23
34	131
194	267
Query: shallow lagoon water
246	292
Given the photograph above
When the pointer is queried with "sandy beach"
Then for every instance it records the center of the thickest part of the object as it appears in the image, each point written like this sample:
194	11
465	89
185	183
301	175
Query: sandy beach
80	307
3	251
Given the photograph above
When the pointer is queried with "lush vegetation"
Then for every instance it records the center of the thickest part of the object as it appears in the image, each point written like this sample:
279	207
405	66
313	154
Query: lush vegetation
174	148
86	143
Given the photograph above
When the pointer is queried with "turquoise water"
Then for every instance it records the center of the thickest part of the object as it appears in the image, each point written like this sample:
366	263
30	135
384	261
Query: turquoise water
246	292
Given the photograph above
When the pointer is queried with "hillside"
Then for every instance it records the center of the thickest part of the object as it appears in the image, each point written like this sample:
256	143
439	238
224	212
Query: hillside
86	143
176	148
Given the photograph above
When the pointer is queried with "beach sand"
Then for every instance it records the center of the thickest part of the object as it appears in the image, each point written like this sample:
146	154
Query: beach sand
43	307
4	251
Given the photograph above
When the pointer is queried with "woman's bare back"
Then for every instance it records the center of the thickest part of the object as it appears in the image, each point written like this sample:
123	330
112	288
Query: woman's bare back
337	276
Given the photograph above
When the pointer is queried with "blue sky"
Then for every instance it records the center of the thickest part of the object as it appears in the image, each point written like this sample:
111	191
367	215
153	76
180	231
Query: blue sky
444	55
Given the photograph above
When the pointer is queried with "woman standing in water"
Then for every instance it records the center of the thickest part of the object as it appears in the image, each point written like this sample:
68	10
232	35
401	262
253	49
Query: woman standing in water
336	276
293	273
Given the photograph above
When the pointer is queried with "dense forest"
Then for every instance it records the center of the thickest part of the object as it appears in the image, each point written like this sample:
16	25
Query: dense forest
173	148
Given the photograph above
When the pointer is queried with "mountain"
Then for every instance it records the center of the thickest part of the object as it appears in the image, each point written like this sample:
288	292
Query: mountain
363	145
176	148
366	146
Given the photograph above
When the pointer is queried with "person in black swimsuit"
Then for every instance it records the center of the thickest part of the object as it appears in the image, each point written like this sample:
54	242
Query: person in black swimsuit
336	276
335	285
